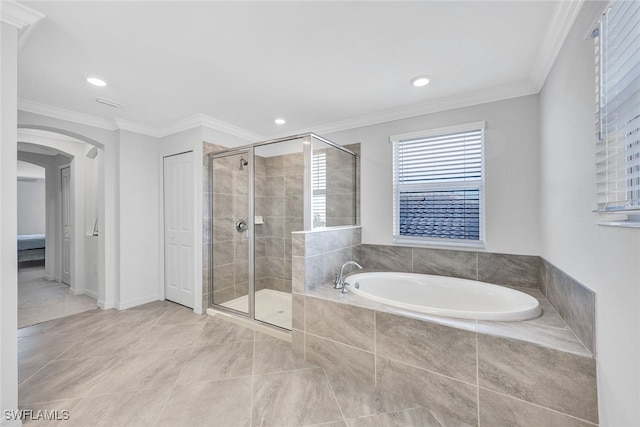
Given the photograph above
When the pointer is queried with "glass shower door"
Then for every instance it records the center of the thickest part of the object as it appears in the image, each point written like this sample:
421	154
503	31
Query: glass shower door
230	230
279	210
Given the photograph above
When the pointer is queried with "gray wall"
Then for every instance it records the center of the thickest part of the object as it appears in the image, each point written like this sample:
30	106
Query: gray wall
31	206
511	179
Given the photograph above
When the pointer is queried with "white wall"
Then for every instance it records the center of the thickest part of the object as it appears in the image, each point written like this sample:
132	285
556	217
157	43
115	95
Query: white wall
605	259
139	220
31	206
511	165
8	219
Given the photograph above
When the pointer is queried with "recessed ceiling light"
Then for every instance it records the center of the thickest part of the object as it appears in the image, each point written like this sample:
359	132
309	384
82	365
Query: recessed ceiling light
96	81
279	121
420	81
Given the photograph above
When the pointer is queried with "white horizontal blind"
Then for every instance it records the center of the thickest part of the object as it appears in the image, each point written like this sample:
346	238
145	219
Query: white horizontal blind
319	187
442	158
438	186
618	149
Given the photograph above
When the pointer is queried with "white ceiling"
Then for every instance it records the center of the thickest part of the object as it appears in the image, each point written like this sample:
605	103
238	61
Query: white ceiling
316	64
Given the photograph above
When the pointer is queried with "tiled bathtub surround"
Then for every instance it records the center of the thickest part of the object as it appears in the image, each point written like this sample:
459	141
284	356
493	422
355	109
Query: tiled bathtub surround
492	373
455	368
501	269
318	255
574	301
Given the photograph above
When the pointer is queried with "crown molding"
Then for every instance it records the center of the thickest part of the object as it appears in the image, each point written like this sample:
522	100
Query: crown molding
466	100
211	123
63	114
18	15
552	41
129	126
187	123
202	120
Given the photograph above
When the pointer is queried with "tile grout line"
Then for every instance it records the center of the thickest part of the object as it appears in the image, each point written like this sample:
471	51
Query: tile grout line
477	376
539	406
193	346
341	343
333	393
430	371
253	376
375	349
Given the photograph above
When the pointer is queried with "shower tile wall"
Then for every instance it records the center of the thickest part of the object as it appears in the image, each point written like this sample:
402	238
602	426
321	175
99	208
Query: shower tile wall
279	200
230	248
342	203
207	148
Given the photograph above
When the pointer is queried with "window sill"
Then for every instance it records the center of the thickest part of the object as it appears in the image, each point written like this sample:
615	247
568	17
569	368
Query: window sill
440	243
624	223
629	220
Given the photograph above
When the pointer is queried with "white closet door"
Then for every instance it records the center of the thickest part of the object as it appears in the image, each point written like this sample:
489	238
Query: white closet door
179	229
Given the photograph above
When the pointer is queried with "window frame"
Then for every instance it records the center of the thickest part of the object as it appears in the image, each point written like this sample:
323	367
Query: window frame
460	185
615	212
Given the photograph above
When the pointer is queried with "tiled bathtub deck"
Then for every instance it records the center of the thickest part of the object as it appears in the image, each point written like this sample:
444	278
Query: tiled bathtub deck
488	373
162	365
548	330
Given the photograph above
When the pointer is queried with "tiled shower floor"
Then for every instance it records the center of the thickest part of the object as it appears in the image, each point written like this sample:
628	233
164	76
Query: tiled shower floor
273	307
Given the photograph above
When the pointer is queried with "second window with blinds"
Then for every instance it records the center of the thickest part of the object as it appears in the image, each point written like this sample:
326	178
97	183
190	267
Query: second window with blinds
438	186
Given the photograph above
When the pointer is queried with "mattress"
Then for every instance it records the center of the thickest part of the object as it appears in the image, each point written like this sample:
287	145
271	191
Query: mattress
30	241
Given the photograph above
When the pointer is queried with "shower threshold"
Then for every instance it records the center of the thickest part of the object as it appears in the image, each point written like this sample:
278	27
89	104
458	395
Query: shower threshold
272	307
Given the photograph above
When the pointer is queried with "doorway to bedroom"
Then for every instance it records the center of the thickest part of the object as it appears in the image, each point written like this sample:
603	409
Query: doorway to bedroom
47	198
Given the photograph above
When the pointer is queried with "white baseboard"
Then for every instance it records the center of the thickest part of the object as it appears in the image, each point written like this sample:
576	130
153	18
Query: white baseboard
105	306
86	292
123	305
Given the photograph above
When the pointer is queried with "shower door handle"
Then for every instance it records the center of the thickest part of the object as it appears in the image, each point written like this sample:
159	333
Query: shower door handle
241	226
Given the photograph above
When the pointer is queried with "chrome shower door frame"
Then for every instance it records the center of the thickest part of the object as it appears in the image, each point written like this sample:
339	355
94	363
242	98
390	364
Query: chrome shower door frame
248	151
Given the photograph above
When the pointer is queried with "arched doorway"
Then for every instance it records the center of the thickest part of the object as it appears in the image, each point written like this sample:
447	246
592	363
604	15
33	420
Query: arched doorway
82	162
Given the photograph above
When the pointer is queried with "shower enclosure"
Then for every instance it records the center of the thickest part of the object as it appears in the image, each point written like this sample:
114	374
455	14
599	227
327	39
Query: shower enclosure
259	195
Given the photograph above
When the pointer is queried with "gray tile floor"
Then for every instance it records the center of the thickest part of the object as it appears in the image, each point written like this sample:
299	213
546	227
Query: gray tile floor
41	300
162	365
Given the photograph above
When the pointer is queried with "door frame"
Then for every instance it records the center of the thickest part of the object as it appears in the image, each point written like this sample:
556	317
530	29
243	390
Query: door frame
250	223
59	228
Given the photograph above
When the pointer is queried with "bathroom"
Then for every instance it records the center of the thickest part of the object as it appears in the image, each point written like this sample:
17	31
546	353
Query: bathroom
540	236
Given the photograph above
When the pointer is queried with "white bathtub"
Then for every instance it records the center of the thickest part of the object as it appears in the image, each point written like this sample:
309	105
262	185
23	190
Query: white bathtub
445	296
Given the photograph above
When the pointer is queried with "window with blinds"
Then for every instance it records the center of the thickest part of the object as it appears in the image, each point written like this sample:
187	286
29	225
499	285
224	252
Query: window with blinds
618	108
438	185
319	188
